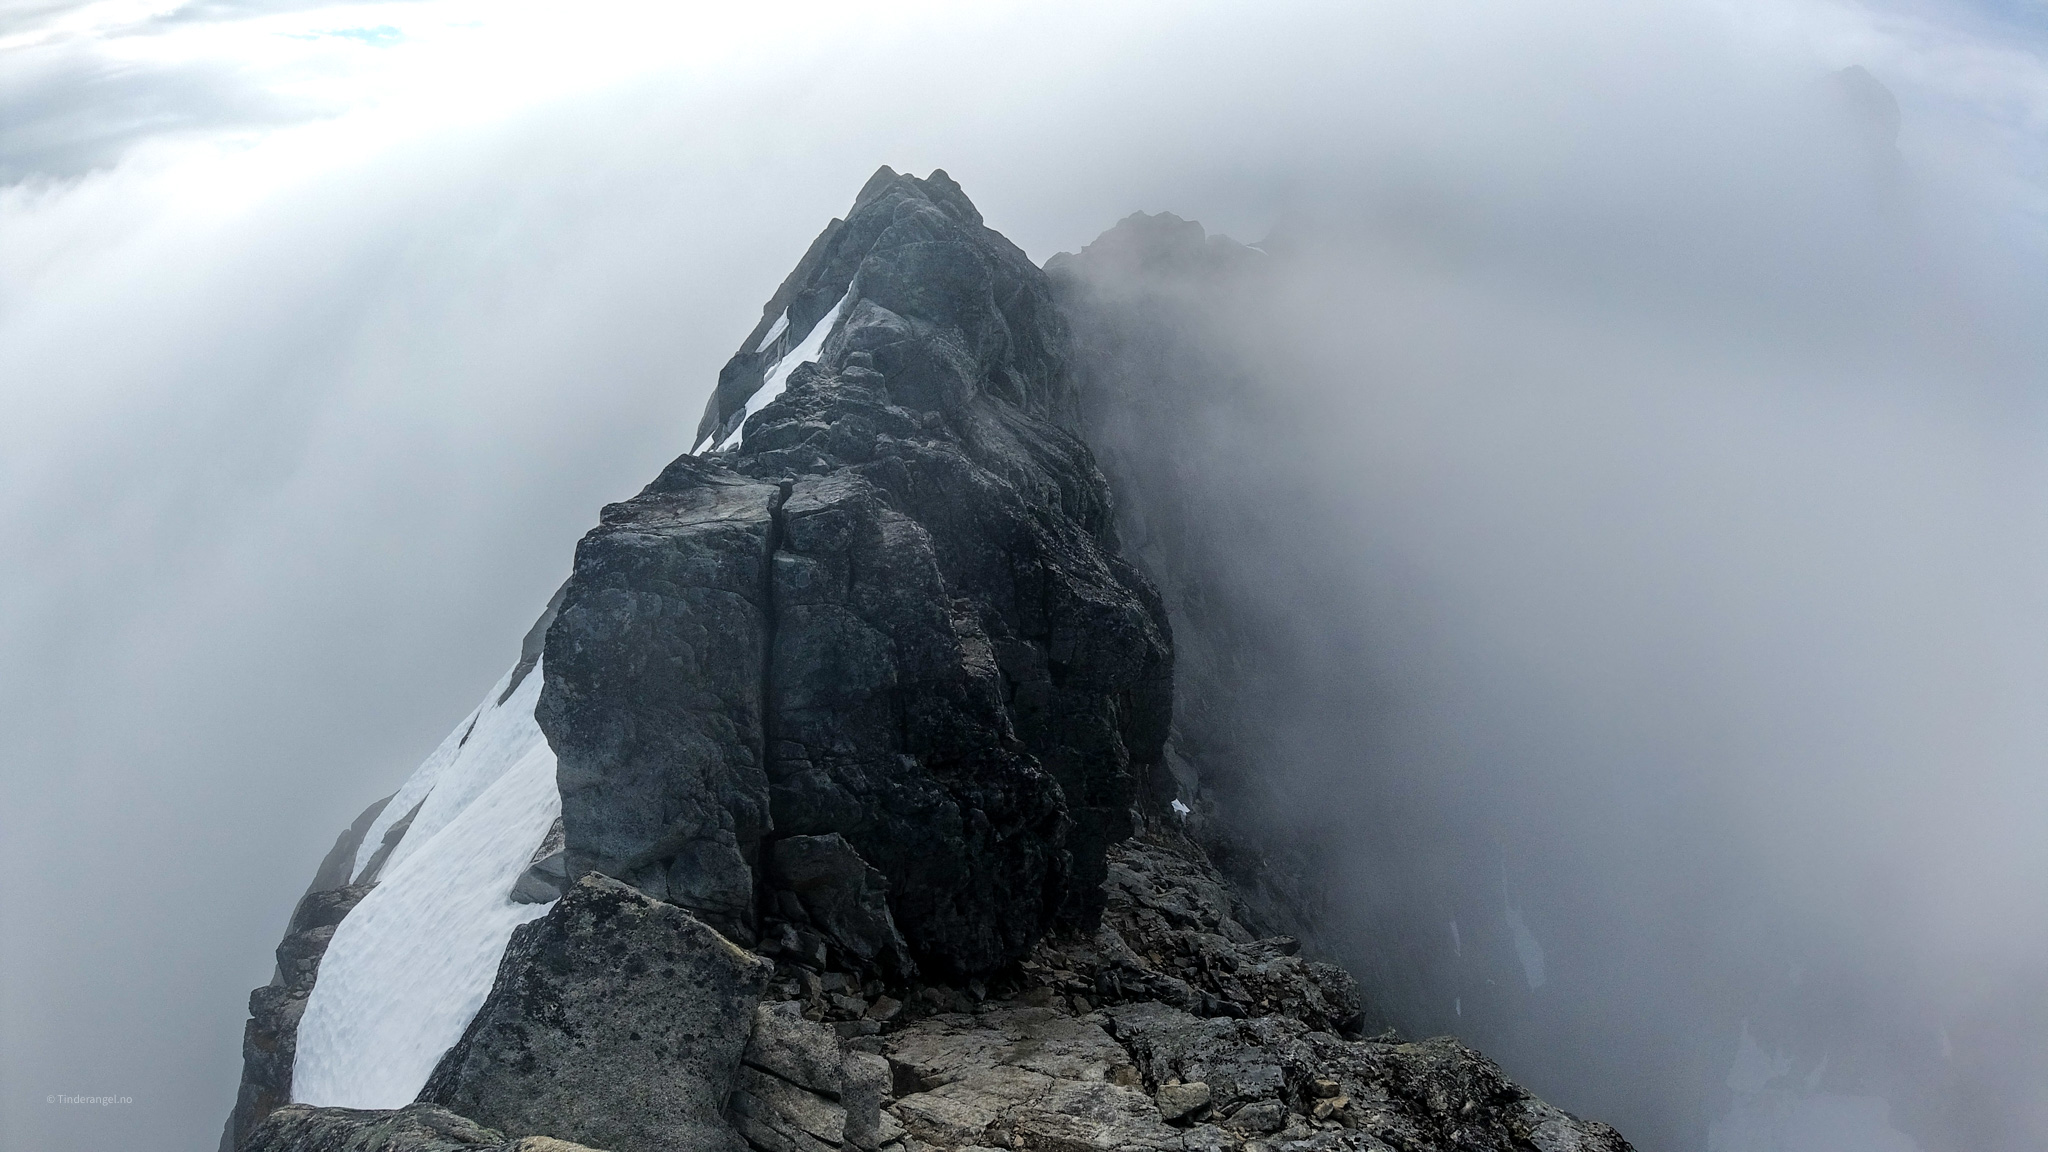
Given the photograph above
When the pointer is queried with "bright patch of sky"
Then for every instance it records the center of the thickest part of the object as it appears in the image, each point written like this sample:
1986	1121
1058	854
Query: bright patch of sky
86	84
380	36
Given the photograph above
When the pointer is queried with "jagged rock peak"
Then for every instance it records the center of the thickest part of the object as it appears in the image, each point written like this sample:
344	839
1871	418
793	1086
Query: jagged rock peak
894	613
1149	244
913	251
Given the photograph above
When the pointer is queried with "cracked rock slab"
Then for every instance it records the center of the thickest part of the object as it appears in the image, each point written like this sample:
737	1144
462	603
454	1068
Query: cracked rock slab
802	1090
616	1020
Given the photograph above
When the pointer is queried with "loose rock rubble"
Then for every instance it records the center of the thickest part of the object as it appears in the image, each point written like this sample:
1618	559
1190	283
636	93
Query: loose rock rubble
1091	1044
1169	934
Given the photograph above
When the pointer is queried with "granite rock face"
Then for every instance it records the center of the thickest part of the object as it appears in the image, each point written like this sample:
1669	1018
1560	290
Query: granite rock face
616	1020
1308	1090
1168	1027
895	613
803	1089
843	897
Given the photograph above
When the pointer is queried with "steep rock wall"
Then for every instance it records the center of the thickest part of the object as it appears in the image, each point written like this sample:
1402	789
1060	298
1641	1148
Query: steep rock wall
895	612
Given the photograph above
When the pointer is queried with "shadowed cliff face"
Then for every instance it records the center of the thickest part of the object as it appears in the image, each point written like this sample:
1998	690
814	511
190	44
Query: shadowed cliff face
895	612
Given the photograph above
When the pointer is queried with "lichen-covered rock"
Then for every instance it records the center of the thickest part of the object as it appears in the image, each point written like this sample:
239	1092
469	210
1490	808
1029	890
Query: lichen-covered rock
948	1047
414	1128
1181	1101
616	1020
1040	1064
1275	1075
1020	1076
774	1115
1151	1076
786	1045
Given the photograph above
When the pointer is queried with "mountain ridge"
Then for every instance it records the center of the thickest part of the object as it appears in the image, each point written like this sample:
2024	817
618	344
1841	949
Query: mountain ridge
870	831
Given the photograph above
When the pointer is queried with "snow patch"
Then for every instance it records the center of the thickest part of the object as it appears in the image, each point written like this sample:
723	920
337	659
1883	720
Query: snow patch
415	789
776	378
781	322
410	965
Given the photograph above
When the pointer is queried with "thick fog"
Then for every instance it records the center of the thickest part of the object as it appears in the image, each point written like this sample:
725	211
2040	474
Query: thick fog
1640	471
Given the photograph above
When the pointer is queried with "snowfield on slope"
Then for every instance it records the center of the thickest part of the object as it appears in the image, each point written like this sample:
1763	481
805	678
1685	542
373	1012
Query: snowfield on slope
777	377
410	965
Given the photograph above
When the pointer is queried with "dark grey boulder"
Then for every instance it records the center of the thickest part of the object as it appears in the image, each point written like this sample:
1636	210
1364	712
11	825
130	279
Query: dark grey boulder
616	1020
843	897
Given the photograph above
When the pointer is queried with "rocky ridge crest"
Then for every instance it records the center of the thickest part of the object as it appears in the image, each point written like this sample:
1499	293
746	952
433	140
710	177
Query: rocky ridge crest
867	837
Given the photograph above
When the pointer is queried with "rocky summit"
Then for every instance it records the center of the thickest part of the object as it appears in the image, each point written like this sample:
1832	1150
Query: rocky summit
869	828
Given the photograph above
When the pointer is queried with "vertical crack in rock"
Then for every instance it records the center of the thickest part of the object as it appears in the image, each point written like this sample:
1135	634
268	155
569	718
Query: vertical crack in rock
778	531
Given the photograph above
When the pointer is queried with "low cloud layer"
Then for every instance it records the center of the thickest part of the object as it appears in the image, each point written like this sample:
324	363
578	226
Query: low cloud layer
1665	605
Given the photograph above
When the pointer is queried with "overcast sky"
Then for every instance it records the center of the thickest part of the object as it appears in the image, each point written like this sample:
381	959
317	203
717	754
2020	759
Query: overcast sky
326	329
